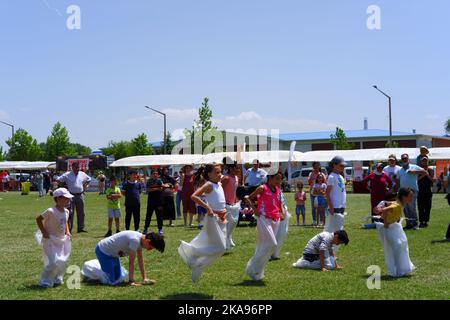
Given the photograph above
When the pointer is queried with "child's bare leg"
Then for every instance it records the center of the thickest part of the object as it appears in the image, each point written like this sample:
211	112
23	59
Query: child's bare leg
117	223
191	217
110	220
185	214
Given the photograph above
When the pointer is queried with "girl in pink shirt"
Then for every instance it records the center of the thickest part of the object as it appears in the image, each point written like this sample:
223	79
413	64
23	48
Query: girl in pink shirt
269	212
230	182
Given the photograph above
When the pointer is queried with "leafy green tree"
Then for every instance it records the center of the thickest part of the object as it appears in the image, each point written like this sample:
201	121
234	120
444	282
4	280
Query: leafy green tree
340	141
167	145
58	143
119	149
203	134
2	154
80	150
447	126
23	147
140	145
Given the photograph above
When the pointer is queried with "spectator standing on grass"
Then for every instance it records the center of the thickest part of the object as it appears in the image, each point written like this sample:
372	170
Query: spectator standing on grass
379	184
168	199
113	195
423	153
425	194
5	181
317	169
39	178
300	200
407	178
255	176
392	169
77	183
154	201
336	195
132	189
47	182
101	182
179	187
189	209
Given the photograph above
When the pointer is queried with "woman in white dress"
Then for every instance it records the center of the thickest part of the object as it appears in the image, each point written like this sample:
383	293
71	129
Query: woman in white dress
210	244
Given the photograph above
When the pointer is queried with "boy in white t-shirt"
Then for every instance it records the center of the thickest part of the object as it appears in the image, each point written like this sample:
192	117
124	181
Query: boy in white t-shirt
336	194
53	224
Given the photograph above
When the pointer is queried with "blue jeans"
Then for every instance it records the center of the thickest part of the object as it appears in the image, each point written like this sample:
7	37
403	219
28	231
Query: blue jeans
40	187
410	212
110	265
313	212
300	210
178	203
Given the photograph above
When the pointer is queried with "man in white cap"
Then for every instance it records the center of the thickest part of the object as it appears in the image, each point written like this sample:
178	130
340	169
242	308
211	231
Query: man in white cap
54	227
392	169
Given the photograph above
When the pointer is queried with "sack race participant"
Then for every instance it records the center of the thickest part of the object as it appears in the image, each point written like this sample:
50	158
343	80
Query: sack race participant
210	244
55	238
282	229
230	183
318	253
268	220
336	195
108	270
392	236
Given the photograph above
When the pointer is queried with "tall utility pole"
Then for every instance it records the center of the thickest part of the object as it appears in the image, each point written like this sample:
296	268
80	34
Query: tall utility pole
390	114
165	127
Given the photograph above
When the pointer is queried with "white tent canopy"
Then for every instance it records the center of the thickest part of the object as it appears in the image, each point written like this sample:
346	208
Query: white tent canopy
278	156
262	156
157	160
373	154
25	165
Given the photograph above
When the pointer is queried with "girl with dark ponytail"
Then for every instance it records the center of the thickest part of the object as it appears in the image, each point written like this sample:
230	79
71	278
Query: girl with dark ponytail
210	244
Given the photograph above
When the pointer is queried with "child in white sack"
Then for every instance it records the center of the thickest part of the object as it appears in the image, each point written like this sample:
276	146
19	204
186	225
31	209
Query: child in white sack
55	238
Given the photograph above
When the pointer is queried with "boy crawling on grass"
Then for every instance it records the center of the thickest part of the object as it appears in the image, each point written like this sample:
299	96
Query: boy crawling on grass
321	243
123	244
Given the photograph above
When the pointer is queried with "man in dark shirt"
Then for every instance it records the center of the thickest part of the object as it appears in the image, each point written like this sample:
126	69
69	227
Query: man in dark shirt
132	189
154	201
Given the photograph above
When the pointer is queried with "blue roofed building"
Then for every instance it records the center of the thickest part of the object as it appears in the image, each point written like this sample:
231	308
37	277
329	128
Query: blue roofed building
361	139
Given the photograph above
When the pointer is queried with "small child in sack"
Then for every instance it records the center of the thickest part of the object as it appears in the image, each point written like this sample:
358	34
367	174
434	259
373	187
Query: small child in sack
56	237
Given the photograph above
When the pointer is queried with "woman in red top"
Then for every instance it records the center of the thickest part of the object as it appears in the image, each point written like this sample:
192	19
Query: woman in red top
186	192
379	184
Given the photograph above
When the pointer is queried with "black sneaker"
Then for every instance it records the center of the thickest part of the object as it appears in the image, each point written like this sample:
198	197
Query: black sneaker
82	231
108	234
117	230
145	232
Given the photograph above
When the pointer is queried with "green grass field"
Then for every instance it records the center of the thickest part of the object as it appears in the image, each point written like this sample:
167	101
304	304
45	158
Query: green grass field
21	262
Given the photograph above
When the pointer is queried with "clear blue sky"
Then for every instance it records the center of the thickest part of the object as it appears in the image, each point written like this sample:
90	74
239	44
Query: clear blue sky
294	65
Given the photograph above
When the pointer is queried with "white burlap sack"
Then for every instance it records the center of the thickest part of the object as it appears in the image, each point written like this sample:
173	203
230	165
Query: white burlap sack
92	271
305	264
335	222
56	253
281	235
233	218
396	251
266	244
206	248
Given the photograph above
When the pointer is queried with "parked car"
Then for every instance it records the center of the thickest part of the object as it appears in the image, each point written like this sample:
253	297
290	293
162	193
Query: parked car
348	173
303	174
